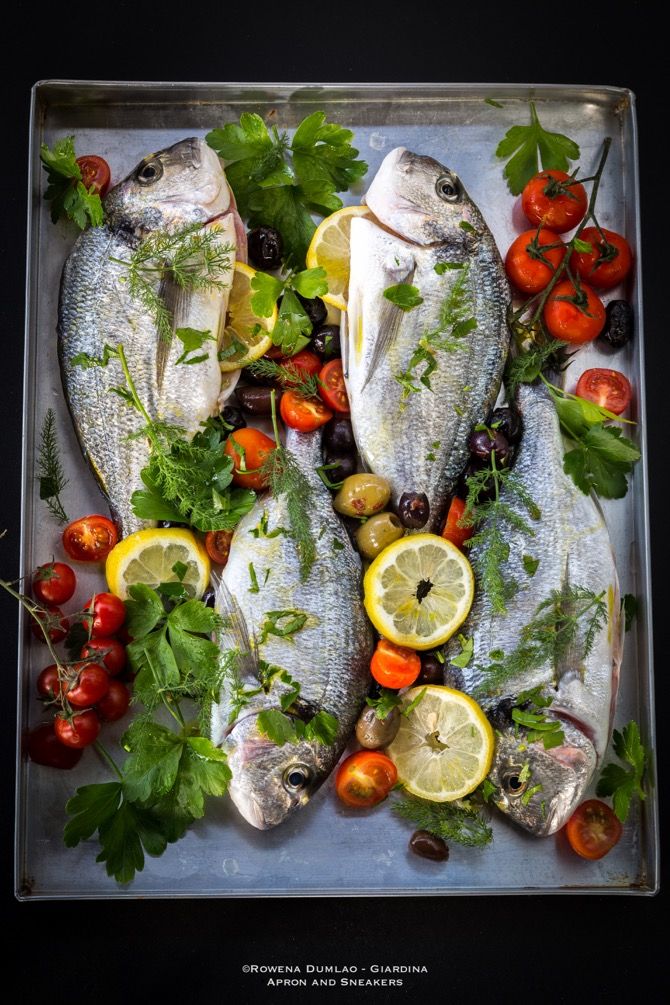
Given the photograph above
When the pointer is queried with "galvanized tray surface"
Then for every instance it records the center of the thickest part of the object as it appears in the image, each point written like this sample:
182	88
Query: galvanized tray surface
324	848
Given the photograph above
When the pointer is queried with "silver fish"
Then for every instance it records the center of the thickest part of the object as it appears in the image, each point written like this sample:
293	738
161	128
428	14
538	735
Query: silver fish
424	217
329	656
573	546
166	192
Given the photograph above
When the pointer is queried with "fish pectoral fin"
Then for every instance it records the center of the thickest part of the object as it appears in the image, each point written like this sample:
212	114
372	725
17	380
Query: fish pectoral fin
172	298
234	634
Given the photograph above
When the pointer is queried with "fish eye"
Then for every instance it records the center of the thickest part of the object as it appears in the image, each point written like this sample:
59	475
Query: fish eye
512	783
447	188
149	172
296	777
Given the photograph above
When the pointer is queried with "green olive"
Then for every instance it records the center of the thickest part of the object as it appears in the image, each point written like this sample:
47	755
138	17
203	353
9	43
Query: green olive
372	732
362	495
377	533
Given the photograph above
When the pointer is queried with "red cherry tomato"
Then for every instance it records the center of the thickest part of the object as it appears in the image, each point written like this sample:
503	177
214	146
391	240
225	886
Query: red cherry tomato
394	666
305	363
332	388
109	652
305	414
109	614
217	545
48	683
525	263
552	199
253	447
45	748
58	624
95	173
114	704
608	388
593	829
452	531
90	685
54	583
365	778
78	731
580	318
608	263
90	539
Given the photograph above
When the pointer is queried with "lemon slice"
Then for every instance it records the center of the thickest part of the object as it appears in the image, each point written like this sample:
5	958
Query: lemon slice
148	557
444	747
246	336
329	248
418	591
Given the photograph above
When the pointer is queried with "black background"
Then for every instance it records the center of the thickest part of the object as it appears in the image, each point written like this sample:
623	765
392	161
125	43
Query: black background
485	948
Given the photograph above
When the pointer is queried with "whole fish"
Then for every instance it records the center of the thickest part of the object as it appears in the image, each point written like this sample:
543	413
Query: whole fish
328	656
539	788
424	219
168	191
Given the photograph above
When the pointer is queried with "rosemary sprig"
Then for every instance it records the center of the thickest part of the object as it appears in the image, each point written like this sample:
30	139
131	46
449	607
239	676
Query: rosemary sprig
49	468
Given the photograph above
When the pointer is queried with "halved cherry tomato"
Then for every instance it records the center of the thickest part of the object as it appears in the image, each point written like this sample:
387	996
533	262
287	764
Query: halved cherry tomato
114	704
48	683
54	583
90	539
332	388
525	262
306	363
305	414
110	652
90	685
574	315
394	666
608	263
217	544
608	388
452	531
45	748
593	829
253	447
58	624
78	731
552	199
365	778
95	173
109	613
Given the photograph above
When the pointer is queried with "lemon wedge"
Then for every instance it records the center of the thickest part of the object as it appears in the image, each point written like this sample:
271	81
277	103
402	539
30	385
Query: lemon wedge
329	249
246	337
444	747
149	556
419	591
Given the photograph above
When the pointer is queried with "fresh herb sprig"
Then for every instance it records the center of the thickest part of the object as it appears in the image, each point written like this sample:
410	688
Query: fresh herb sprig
291	722
404	295
529	713
50	471
290	377
461	821
293	325
622	784
521	146
66	191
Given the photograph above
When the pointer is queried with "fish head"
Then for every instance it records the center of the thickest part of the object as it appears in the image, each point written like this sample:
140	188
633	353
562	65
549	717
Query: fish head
181	185
269	781
421	200
538	788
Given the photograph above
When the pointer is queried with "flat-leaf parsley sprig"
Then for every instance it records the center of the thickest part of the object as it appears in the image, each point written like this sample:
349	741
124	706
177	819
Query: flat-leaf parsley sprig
522	144
293	325
625	783
66	190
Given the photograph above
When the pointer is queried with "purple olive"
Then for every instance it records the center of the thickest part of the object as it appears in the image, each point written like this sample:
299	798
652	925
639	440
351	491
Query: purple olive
233	417
432	670
257	400
482	443
315	309
429	846
508	422
414	509
346	465
326	342
338	436
265	247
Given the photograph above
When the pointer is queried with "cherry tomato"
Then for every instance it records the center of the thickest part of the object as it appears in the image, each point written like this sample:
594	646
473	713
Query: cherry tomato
365	778
90	539
48	683
91	684
452	531
332	388
569	322
306	363
59	625
78	731
54	583
593	829
525	268
217	544
109	614
255	447
305	414
608	263
109	652
45	748
608	388
95	173
552	199
114	704
394	666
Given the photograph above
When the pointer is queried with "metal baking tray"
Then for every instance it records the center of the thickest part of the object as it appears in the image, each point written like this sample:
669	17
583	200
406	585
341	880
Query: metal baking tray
324	849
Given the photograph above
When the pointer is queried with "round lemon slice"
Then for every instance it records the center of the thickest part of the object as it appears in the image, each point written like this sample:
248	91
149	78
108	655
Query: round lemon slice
444	747
149	557
329	248
246	336
419	591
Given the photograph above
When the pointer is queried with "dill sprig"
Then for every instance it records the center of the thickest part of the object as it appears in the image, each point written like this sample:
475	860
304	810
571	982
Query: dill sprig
460	821
193	258
289	376
526	366
49	468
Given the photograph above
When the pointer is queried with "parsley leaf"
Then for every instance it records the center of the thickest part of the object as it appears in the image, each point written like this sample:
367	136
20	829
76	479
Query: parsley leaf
530	564
192	339
465	655
384	703
600	462
521	146
404	295
66	191
293	325
621	783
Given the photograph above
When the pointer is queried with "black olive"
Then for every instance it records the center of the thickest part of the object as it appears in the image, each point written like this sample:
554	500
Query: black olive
429	846
414	509
618	328
257	400
508	422
338	436
432	670
209	596
232	416
265	247
482	444
315	310
326	342
170	523
346	465
251	378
